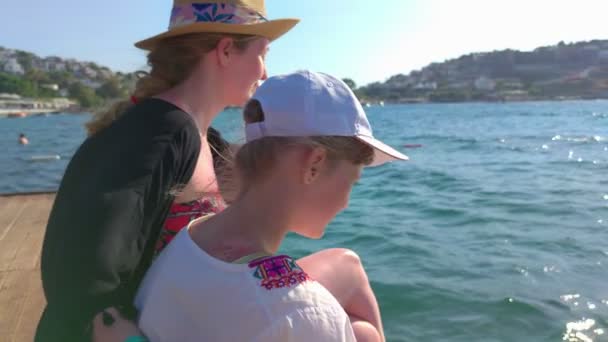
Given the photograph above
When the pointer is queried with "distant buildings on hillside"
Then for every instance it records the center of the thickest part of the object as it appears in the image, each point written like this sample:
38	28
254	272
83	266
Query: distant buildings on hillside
15	103
89	74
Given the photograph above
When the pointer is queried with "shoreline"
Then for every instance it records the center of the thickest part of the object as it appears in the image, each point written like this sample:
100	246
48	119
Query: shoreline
22	113
425	101
28	193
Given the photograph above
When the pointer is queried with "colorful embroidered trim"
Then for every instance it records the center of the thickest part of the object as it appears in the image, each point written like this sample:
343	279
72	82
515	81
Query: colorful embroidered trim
277	272
213	13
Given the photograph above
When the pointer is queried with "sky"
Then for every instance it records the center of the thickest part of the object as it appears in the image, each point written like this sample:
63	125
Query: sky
366	41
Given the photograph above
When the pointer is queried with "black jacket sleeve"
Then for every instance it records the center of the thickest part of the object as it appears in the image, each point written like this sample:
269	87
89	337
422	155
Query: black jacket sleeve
107	217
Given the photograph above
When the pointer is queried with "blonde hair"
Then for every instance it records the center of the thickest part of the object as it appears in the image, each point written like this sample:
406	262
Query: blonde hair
171	62
253	159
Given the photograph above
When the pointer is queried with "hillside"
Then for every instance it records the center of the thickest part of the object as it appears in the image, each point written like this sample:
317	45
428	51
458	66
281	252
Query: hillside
28	75
564	71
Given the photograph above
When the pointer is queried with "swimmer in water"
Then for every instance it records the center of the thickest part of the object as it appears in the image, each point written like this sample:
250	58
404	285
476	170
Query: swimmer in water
23	139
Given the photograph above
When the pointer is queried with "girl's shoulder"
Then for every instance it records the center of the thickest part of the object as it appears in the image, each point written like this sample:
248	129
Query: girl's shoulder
277	272
298	307
281	278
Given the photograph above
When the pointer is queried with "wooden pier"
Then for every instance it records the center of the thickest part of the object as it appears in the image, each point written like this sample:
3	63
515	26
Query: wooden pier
23	220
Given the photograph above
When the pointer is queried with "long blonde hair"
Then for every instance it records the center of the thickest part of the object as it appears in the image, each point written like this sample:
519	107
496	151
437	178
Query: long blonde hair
171	62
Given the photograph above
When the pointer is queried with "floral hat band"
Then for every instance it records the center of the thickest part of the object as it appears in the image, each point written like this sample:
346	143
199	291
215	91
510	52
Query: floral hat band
244	17
213	13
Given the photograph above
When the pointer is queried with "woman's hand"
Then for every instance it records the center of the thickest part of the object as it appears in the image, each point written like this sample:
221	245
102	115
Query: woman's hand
111	326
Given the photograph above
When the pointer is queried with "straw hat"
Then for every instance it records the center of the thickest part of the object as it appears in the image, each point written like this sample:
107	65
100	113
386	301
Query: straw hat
221	16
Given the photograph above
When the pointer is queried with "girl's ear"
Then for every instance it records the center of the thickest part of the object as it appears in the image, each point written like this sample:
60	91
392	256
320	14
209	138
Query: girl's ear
314	164
224	51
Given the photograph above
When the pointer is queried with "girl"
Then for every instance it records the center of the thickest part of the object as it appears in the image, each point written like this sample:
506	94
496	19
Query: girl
220	279
141	156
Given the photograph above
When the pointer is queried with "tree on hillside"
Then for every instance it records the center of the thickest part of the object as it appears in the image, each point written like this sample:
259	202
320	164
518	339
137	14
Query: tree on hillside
350	83
61	78
26	60
36	75
111	89
16	85
40	80
85	96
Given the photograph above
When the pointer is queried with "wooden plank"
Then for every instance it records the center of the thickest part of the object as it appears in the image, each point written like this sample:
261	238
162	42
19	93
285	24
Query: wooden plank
9	247
2	277
3	201
22	223
11	241
22	243
9	213
32	309
12	298
35	215
28	254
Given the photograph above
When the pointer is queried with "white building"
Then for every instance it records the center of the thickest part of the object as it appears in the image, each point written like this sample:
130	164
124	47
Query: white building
89	72
6	96
426	86
5	54
54	65
90	83
105	73
13	67
459	85
54	87
485	83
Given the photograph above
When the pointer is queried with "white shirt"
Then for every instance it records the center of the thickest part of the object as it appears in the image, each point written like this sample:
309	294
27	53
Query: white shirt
187	295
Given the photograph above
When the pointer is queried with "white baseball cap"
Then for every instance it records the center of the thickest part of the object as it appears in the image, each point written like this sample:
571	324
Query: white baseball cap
307	103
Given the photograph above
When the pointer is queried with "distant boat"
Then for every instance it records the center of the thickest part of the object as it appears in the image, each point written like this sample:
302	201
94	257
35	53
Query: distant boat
45	157
381	103
17	115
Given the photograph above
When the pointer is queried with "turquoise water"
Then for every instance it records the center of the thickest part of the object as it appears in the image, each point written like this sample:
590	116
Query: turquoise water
497	230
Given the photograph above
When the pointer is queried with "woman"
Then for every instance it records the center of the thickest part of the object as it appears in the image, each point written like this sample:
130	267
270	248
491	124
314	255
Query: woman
141	156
